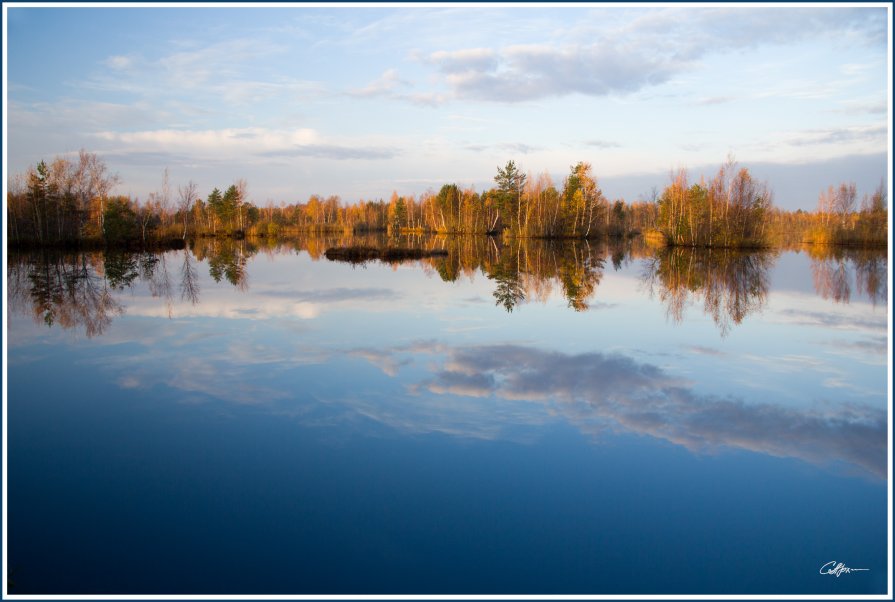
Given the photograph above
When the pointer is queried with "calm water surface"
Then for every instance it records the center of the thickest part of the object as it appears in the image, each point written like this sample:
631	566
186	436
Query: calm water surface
521	418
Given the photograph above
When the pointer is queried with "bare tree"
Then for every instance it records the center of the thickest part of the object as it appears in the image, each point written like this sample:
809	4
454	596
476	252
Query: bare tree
242	190
164	198
147	213
844	200
187	196
825	202
92	182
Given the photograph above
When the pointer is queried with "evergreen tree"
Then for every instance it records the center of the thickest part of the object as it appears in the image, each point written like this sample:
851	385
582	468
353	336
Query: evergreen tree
510	182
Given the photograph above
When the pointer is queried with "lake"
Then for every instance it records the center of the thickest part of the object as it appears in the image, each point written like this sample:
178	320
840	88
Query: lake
523	417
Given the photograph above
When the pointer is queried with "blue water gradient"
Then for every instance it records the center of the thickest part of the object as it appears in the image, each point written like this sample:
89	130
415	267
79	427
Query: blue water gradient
322	428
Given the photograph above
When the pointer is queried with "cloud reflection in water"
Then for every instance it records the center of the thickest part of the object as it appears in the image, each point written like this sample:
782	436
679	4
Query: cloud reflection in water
609	390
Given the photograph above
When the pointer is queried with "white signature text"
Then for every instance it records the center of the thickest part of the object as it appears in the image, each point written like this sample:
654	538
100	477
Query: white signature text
837	568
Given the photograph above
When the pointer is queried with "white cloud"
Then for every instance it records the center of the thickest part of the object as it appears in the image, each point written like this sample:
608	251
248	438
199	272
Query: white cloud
250	142
645	51
384	85
172	91
129	382
262	305
222	141
267	309
234	72
119	62
426	99
461	61
526	72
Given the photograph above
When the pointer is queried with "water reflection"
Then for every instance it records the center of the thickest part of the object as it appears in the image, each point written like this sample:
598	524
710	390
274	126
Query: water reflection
81	290
68	290
226	259
594	390
834	269
526	269
189	279
78	290
597	391
731	284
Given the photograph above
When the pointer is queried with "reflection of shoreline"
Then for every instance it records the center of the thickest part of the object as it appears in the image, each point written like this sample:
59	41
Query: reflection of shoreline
732	284
832	269
71	291
82	290
596	391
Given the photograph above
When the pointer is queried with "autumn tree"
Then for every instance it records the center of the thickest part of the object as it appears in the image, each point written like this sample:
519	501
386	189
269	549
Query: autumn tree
91	184
730	211
187	195
448	203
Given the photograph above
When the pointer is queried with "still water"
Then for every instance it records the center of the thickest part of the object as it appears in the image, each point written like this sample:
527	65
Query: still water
519	418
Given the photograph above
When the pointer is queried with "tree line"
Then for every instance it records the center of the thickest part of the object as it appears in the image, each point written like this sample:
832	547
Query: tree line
69	201
839	219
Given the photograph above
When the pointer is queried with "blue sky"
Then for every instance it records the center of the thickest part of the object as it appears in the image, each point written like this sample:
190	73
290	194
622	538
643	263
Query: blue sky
362	101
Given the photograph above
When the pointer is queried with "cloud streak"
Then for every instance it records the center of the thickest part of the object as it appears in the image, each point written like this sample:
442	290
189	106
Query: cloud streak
512	147
384	85
603	144
338	153
859	134
596	390
523	73
229	142
647	51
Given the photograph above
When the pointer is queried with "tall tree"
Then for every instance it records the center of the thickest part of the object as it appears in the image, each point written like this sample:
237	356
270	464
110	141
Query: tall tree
215	204
230	205
510	181
187	196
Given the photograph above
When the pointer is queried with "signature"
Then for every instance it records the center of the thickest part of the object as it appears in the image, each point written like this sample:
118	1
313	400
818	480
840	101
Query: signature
837	569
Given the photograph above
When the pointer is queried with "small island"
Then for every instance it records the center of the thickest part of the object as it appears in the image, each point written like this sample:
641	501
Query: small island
359	254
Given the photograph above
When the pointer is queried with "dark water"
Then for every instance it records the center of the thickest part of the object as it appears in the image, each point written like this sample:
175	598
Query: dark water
519	418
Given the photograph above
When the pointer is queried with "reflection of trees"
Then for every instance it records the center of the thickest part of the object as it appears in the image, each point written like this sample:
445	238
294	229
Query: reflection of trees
832	269
189	279
156	274
227	259
508	291
531	269
523	269
63	290
871	276
77	290
121	269
618	257
732	284
580	274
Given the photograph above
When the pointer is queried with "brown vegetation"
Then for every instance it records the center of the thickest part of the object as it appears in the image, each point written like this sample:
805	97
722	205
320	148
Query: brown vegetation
386	255
69	203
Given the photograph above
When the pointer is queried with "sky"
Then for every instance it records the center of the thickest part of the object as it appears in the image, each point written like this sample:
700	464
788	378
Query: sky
362	101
